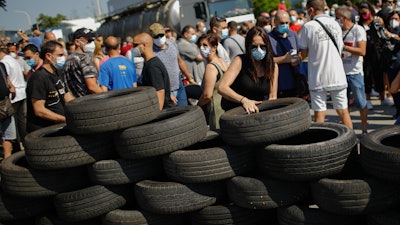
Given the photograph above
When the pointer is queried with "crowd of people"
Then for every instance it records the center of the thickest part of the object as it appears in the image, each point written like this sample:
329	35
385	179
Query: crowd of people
347	52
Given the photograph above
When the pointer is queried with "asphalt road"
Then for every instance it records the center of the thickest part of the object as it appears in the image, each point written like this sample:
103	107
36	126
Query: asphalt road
379	116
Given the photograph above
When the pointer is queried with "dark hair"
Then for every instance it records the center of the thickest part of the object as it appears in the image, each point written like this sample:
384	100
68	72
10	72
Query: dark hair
262	21
186	29
30	47
212	38
233	25
268	61
49	47
215	21
318	5
366	5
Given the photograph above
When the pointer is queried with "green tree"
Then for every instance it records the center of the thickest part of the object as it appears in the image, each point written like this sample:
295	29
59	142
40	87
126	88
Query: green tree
266	5
45	21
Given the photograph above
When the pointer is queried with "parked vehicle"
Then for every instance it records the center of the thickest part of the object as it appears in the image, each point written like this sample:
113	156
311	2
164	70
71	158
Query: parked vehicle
137	17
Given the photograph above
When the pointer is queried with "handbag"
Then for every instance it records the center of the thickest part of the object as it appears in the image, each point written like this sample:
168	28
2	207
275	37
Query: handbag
301	83
6	108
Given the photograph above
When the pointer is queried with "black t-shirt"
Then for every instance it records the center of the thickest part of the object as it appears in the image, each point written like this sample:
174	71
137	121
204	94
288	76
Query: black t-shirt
245	85
4	91
156	75
43	85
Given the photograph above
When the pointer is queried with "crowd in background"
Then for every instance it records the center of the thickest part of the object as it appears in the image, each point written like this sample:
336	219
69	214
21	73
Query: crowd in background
351	56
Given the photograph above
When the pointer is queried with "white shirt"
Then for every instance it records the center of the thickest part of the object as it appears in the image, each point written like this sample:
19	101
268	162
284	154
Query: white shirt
16	77
325	66
353	64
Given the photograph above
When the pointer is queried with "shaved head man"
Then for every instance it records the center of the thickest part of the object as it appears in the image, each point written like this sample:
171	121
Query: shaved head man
154	72
117	72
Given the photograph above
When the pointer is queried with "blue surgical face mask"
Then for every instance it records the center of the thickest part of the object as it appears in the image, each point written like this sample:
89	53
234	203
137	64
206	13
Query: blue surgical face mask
193	39
283	28
31	62
225	33
60	62
258	53
293	19
204	30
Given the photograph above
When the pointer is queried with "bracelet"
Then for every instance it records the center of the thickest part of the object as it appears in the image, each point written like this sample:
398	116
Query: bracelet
242	99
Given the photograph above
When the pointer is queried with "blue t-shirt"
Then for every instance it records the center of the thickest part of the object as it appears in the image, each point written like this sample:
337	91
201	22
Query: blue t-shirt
117	73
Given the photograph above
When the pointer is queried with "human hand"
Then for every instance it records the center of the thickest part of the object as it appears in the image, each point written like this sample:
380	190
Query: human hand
174	99
250	106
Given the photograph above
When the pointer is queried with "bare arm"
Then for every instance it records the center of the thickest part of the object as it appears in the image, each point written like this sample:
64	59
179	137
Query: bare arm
68	97
210	77
11	88
184	69
161	98
104	88
41	111
273	90
360	48
227	92
92	85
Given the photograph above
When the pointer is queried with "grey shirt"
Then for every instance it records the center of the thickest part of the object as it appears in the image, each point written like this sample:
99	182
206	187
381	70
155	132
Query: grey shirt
169	57
234	45
188	52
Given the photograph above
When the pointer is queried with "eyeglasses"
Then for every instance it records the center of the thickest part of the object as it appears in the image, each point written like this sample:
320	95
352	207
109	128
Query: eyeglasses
159	36
263	47
134	45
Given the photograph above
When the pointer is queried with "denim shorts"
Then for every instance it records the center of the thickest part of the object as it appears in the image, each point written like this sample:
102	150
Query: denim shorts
356	85
8	128
319	99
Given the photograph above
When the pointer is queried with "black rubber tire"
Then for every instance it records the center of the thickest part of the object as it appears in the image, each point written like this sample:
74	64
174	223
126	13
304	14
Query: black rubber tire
54	220
354	197
390	217
207	165
18	179
16	208
91	202
227	215
55	147
316	153
303	215
124	171
135	217
211	140
265	193
169	197
112	110
380	155
174	129
277	120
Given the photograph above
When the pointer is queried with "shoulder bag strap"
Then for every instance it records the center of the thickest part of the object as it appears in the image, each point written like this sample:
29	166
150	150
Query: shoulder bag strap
220	72
238	44
329	34
3	75
344	37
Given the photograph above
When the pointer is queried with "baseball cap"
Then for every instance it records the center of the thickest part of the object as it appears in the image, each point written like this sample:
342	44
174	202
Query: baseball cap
89	34
156	29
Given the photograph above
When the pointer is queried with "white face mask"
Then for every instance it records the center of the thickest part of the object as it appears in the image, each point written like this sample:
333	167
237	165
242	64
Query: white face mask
13	54
394	23
89	48
268	28
160	41
205	51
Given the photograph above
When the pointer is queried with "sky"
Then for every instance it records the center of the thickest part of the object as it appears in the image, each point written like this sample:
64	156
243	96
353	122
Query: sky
72	9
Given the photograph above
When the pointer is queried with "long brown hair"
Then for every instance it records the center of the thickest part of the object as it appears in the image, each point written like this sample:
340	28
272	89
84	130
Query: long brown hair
267	63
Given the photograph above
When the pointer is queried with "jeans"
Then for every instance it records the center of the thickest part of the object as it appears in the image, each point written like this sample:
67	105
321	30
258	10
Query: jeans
180	94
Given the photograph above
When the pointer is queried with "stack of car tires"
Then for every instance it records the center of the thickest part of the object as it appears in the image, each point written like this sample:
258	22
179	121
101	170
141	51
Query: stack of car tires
120	160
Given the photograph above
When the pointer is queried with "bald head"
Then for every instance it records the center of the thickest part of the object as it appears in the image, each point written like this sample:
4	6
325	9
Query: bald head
112	46
281	16
49	36
144	42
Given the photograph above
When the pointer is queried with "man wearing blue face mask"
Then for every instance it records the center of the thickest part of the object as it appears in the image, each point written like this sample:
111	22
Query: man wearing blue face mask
190	53
46	91
31	56
284	46
219	26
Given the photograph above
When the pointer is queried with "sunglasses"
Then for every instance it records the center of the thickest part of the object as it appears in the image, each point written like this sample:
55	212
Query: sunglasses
134	45
159	36
263	47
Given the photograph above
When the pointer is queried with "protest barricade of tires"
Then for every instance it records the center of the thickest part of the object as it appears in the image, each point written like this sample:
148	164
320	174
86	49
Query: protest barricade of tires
274	167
